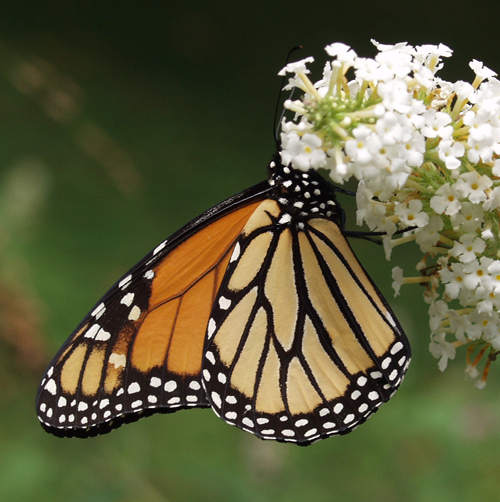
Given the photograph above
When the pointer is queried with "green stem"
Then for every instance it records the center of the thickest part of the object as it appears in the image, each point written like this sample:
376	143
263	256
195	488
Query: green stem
421	279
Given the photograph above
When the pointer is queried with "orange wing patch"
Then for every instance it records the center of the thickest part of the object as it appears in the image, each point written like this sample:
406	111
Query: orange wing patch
141	348
197	256
153	336
188	274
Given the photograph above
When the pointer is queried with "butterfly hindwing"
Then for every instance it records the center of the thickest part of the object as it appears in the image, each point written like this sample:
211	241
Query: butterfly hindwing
139	350
301	344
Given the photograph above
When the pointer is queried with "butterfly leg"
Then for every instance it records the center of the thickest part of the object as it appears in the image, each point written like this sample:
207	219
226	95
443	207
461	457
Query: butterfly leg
344	191
368	235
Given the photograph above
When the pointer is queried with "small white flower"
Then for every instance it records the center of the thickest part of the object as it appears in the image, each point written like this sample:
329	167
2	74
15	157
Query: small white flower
296	67
493	200
358	148
299	128
463	90
496	168
416	115
342	52
424	76
453	277
485	306
473	185
428	236
468	248
399	174
303	152
396	60
481	131
485	324
480	384
397	279
487	234
471	371
446	91
487	93
460	324
337	164
413	150
323	84
395	96
469	218
369	70
495	342
450	153
368	210
400	46
446	200
478	151
411	214
442	350
494	272
427	52
437	125
387	241
389	129
438	311
476	273
480	70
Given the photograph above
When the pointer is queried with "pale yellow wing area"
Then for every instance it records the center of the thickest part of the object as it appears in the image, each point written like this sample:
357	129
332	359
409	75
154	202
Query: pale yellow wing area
301	343
369	310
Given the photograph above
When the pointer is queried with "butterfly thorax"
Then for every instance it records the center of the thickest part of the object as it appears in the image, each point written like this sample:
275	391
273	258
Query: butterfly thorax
302	195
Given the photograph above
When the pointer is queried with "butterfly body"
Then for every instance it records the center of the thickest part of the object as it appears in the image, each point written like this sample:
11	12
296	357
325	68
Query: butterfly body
258	308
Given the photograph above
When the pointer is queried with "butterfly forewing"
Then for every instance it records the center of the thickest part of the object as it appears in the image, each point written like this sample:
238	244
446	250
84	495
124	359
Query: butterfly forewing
301	344
140	349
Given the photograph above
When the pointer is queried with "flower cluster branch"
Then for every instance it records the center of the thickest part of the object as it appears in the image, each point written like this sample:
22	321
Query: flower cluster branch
426	154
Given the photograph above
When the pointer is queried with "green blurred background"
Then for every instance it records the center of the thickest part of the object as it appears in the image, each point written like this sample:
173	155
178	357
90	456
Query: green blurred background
122	121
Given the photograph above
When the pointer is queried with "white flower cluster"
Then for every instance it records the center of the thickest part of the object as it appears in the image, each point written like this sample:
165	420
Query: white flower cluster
426	153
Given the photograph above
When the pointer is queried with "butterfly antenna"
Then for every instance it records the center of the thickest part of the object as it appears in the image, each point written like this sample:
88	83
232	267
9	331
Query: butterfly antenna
277	120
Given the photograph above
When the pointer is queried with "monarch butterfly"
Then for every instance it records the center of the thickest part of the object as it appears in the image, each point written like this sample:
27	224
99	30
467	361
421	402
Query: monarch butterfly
258	308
